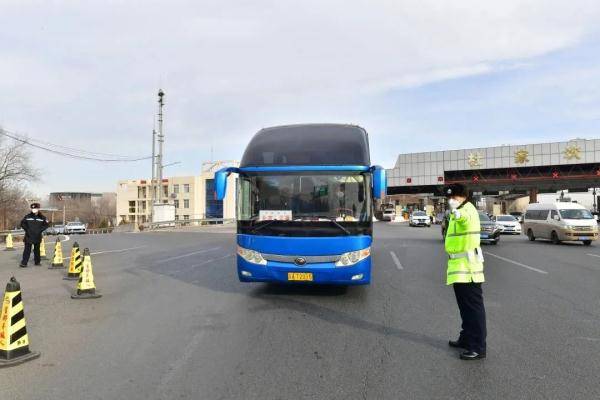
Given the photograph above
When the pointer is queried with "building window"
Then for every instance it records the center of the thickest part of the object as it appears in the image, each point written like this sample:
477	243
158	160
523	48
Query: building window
176	202
141	192
176	188
166	190
176	217
186	188
132	207
186	217
186	203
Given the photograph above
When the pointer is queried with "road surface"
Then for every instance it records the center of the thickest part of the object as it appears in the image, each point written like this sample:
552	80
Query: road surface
175	323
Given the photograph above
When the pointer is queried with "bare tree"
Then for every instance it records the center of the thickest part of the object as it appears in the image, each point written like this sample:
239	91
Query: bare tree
15	163
15	169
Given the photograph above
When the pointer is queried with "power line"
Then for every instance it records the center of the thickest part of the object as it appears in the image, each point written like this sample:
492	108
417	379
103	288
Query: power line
71	152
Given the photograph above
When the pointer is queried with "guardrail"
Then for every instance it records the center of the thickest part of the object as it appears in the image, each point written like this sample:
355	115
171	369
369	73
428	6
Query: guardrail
188	222
99	231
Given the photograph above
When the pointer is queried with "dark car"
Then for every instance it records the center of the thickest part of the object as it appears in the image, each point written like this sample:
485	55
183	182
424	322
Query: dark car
490	232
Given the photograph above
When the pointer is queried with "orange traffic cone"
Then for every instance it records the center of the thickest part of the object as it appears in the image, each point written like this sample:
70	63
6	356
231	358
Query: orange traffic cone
14	341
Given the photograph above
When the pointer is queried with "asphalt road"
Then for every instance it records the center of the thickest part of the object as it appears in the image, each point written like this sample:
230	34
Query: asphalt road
175	323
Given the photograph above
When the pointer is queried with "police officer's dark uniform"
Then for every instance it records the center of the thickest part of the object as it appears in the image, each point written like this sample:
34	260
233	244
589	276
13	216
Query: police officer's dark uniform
33	224
465	271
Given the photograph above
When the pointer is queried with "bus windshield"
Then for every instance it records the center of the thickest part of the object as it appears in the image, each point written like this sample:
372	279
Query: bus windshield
292	203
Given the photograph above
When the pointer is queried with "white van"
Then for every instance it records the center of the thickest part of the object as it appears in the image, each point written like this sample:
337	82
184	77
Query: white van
560	222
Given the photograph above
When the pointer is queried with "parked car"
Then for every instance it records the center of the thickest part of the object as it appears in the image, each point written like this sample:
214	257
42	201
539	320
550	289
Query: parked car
75	227
58	229
508	224
389	214
518	215
489	230
419	218
50	231
560	222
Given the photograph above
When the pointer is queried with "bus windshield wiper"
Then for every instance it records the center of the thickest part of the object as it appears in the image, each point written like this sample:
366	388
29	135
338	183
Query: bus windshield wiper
258	228
333	221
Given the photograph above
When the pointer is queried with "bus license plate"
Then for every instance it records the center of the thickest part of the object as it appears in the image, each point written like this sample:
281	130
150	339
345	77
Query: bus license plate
300	276
584	238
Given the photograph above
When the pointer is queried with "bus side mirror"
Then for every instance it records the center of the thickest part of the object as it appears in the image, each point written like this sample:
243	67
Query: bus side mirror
379	182
221	181
556	217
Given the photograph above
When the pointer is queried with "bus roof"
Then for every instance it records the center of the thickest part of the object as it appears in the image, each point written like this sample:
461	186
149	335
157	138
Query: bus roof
308	144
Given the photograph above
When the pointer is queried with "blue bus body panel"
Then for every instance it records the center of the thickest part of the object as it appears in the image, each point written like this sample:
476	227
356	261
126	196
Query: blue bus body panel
323	273
303	246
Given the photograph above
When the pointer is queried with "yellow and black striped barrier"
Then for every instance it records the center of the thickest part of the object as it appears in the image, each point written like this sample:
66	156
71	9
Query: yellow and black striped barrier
57	259
14	341
9	243
75	264
86	288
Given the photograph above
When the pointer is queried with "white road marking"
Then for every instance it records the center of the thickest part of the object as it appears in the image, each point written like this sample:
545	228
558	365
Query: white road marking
517	263
593	255
116	251
108	251
211	260
188	254
396	260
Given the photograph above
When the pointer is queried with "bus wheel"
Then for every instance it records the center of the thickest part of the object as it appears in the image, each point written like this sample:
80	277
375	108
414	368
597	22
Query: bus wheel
554	237
530	235
587	242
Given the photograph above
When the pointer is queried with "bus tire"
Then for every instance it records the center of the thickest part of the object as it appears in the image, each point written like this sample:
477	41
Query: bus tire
530	235
587	242
554	237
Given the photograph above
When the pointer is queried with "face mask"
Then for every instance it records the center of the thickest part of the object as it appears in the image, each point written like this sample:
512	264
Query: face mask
34	210
453	204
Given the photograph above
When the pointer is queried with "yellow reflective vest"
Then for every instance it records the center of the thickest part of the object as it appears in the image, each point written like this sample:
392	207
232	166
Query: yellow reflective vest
465	259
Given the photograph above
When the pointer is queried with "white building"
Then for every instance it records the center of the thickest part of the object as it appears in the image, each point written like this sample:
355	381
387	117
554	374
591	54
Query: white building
192	196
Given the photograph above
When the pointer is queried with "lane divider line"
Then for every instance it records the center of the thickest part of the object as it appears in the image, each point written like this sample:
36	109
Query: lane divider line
396	260
593	255
111	251
508	260
188	254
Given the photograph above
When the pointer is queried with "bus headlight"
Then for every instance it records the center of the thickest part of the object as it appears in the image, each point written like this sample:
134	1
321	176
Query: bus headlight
251	256
352	257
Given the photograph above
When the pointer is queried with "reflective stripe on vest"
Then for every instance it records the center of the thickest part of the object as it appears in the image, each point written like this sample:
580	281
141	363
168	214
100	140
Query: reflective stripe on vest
464	233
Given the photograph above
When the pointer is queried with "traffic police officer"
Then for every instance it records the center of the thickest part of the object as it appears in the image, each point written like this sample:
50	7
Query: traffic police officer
33	224
465	271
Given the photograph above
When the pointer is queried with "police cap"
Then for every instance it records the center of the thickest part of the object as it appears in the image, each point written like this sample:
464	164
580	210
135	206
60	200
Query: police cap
34	205
456	189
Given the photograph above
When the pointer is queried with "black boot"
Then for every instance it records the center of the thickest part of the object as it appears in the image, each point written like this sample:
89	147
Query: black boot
471	355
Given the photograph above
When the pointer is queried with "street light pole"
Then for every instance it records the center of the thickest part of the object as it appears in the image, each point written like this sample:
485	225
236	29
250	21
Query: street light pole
161	139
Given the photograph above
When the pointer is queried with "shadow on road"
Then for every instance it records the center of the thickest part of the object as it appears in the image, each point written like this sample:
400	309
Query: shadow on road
336	317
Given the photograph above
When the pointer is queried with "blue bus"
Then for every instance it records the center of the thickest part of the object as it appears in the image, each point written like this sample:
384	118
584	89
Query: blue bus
305	205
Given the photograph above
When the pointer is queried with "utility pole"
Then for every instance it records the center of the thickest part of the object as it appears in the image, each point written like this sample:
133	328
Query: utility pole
153	181
161	139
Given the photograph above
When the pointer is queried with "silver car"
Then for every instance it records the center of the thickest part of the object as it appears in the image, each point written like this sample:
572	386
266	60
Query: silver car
75	227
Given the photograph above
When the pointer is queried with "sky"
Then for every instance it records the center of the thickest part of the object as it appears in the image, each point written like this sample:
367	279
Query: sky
417	75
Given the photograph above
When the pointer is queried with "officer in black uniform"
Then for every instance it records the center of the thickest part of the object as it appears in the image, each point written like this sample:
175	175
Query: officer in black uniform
33	224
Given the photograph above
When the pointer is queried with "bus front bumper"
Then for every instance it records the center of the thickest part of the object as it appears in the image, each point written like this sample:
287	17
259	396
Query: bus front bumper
319	273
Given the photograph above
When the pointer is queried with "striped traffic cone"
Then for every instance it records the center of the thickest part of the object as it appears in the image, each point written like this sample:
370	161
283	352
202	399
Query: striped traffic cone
75	264
9	243
43	249
57	259
86	288
14	341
